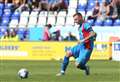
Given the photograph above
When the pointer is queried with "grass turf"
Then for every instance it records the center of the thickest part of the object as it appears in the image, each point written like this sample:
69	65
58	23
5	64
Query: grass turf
45	71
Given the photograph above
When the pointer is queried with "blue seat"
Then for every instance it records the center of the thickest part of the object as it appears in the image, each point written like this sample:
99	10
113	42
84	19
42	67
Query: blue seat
16	14
21	33
5	22
81	7
1	12
90	5
90	0
117	22
1	6
108	22
98	23
1	34
8	6
7	14
2	29
100	1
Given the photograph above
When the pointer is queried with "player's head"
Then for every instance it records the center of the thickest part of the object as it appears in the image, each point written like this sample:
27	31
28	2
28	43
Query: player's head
78	18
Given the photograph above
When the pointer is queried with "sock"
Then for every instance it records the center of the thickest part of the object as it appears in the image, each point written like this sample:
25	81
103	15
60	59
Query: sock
64	64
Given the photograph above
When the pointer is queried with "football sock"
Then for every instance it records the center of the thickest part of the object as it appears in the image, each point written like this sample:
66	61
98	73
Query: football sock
65	64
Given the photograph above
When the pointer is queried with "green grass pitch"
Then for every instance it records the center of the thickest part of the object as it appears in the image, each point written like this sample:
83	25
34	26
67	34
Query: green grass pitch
45	71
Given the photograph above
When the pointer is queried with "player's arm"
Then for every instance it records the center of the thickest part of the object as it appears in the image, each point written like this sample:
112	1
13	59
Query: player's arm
92	34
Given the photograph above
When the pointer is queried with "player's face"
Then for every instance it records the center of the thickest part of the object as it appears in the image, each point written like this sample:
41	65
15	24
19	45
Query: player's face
77	19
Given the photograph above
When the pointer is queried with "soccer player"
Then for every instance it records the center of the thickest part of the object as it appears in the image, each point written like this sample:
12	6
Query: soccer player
82	51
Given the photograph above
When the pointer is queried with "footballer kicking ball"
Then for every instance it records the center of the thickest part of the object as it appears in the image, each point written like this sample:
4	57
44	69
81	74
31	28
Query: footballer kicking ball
23	73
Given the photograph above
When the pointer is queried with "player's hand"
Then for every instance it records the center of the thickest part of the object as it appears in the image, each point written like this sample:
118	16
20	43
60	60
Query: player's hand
80	41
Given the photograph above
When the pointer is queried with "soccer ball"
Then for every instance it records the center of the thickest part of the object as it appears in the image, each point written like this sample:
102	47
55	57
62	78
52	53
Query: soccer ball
23	73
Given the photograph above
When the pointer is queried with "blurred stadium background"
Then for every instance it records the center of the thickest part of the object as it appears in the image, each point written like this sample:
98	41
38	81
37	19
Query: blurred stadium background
28	19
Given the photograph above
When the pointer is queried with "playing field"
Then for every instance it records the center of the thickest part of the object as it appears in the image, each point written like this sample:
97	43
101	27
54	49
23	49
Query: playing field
45	71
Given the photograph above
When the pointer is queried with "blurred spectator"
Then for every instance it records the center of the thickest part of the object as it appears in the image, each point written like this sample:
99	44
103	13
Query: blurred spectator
55	36
70	37
35	5
113	10
8	1
13	35
1	1
96	11
117	2
104	11
47	35
108	1
23	7
44	5
10	35
57	5
16	5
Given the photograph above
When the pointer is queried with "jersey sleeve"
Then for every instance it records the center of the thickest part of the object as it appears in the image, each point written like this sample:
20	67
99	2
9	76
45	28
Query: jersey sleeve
88	27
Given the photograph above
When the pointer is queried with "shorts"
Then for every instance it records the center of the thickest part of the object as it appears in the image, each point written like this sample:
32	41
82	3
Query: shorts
81	54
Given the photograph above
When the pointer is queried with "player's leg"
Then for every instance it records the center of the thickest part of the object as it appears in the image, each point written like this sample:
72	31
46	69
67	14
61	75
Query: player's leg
72	52
82	60
65	63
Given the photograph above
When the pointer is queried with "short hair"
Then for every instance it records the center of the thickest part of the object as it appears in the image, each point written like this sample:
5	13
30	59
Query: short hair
79	14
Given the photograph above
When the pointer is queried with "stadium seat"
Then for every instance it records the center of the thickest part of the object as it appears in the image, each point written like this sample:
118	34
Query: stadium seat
43	13
60	21
81	7
1	12
98	23
6	10
73	3
51	18
21	33
107	22
61	18
3	27
7	14
1	34
90	5
71	11
13	23
5	21
117	22
1	6
69	20
23	22
2	30
8	6
34	14
82	12
41	21
83	2
25	14
42	16
62	13
32	22
16	15
88	13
